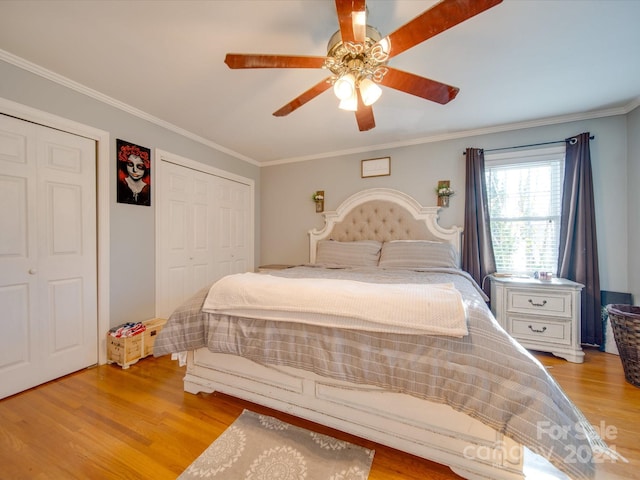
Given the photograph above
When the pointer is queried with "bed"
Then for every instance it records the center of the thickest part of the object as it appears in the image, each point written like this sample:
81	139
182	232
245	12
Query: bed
471	399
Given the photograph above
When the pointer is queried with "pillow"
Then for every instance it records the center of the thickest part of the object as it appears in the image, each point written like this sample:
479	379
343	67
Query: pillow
417	253
365	253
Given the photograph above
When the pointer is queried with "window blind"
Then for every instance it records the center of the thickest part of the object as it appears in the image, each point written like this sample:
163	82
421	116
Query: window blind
525	202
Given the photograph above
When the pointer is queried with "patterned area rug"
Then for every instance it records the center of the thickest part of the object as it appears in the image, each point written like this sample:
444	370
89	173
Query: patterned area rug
258	447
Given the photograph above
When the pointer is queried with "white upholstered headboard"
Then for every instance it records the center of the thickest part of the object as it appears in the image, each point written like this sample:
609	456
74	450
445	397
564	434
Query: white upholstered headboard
383	214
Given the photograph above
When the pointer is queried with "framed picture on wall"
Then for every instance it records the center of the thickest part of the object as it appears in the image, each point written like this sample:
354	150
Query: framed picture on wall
376	167
134	173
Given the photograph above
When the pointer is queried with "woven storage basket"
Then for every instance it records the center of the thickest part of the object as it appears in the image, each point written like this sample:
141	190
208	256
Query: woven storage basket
625	322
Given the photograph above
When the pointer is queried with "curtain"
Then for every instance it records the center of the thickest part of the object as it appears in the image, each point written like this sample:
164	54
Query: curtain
578	251
477	249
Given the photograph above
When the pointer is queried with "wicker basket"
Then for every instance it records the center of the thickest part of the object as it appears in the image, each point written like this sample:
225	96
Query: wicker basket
625	322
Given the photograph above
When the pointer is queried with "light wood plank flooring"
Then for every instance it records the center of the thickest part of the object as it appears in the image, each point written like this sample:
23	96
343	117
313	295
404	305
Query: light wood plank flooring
109	423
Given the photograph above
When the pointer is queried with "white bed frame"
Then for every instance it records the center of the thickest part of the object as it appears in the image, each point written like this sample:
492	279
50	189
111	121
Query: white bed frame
430	430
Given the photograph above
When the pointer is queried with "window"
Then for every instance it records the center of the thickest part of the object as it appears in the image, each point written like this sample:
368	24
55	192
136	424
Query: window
524	191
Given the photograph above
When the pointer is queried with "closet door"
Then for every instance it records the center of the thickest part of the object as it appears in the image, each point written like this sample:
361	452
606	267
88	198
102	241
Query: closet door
202	232
185	234
233	213
48	273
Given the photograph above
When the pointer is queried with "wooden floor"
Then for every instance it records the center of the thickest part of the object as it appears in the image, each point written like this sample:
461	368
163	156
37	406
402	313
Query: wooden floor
109	423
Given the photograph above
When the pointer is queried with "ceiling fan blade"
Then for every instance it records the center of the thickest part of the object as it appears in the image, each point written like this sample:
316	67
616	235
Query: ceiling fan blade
307	96
352	19
440	17
419	86
364	115
240	60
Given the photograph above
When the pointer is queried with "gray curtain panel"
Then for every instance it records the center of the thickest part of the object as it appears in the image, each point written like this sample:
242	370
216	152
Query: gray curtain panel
477	249
578	251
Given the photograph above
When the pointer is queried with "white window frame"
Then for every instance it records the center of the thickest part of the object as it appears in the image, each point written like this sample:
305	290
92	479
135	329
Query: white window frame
521	157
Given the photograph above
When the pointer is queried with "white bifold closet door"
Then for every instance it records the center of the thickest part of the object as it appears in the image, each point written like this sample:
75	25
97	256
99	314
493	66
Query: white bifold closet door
203	225
48	254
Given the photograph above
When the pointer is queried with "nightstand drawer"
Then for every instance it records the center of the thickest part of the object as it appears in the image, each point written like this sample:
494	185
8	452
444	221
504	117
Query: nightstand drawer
536	330
539	303
541	315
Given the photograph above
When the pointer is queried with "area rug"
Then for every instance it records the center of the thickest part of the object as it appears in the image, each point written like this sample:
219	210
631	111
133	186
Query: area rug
259	447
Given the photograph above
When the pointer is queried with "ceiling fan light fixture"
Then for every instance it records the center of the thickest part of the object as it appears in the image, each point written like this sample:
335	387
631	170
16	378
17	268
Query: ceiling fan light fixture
369	91
357	57
345	86
350	103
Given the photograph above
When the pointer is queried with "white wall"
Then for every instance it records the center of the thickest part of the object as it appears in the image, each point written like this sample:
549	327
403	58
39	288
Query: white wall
132	228
633	202
285	212
288	212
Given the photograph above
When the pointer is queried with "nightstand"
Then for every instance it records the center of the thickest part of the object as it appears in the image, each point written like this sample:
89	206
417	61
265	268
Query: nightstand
541	315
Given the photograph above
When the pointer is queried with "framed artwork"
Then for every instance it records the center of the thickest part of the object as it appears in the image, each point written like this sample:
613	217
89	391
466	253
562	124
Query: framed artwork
376	167
134	173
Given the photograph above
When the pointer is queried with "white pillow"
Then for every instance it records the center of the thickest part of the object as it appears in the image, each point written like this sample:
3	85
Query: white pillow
417	254
352	254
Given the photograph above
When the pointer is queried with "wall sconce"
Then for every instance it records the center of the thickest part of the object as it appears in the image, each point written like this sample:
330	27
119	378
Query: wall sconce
444	191
318	197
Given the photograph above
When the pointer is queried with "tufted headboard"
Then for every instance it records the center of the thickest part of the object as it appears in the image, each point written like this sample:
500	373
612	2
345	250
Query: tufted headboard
383	214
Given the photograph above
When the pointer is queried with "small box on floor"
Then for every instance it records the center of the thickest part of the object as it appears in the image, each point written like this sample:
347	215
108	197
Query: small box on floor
127	349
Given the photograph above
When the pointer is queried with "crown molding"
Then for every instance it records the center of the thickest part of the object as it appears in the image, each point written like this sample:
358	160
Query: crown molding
632	105
89	92
54	77
574	117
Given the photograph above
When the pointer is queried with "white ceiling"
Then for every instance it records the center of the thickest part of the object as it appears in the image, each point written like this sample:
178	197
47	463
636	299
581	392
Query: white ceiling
520	62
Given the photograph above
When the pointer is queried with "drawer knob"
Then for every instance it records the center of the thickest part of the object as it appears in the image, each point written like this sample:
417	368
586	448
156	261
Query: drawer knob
544	302
542	330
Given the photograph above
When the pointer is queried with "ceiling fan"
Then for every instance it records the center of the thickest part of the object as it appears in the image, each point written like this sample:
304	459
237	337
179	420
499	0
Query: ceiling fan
357	56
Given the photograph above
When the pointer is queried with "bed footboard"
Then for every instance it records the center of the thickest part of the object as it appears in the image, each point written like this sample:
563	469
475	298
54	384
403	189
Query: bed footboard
430	430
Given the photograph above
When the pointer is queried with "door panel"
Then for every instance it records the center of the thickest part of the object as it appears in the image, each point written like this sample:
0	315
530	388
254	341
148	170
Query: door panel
65	313
176	286
201	254
63	225
198	229
13	216
15	342
19	347
174	240
233	217
13	143
67	252
48	253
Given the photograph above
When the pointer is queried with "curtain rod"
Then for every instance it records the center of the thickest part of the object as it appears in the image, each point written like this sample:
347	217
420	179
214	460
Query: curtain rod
529	145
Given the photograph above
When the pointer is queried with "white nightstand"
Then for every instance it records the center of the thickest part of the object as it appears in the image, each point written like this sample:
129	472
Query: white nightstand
541	315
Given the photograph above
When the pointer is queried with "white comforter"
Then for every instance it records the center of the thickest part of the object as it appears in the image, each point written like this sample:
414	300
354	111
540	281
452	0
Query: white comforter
485	374
433	309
